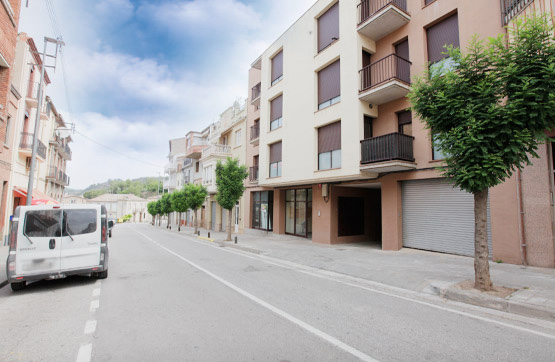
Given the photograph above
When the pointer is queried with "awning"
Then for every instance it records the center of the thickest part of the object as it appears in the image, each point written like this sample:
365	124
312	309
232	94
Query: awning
38	197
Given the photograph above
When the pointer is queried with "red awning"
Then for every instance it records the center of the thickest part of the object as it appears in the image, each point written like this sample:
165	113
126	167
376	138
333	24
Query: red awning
38	197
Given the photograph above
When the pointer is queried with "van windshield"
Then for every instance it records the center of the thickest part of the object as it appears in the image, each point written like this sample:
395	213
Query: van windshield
43	223
79	221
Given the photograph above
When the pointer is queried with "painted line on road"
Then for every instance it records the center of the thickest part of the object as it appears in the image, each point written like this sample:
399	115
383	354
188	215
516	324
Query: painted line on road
332	340
85	352
95	304
96	292
90	327
318	273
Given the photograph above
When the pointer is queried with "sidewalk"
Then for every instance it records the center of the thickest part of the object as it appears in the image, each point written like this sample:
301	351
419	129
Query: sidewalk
415	270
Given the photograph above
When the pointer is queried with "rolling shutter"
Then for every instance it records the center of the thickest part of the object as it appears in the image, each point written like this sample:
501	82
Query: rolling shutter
329	137
328	27
275	152
441	34
438	217
402	49
329	82
277	66
276	108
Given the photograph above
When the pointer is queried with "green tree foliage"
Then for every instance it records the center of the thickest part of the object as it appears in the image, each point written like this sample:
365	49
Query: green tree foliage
230	179
127	217
94	193
158	209
166	206
180	204
489	114
151	208
143	187
195	195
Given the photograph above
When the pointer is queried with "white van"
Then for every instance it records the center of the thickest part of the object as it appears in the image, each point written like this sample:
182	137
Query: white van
54	241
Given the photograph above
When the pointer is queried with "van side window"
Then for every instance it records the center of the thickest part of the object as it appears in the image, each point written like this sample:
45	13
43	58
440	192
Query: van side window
77	222
42	224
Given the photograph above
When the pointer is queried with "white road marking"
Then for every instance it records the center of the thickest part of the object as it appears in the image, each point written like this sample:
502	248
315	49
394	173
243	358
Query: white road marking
85	352
332	340
97	283
96	292
95	304
90	327
317	273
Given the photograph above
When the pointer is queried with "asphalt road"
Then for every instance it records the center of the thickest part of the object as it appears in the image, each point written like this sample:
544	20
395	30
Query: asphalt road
171	297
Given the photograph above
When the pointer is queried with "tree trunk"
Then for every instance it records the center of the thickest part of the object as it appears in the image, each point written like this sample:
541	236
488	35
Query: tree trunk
195	221
229	218
179	221
482	280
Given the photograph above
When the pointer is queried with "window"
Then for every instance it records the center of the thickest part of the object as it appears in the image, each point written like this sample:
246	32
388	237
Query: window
367	127
207	177
7	137
329	88
440	35
197	165
262	210
404	120
276	112
328	27
78	222
277	67
402	49
298	212
426	2
437	154
42	224
239	137
275	160
329	146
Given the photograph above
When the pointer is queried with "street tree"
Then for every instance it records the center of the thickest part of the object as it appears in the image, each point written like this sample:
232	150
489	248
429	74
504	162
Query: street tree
151	208
158	210
489	114
179	204
166	207
230	177
195	195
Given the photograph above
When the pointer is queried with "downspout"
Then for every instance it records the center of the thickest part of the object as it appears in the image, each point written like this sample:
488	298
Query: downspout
521	226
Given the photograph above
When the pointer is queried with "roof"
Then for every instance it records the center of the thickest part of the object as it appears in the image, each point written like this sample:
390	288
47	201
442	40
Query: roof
116	197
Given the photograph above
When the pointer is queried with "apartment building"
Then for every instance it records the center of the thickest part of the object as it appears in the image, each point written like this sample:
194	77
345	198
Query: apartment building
9	97
335	152
119	205
59	152
173	175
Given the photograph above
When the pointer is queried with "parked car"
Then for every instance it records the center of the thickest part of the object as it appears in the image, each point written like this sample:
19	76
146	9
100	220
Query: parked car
55	241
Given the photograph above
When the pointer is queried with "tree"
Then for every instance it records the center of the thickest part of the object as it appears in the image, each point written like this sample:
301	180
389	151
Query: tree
230	179
179	204
195	195
166	206
159	212
489	114
151	208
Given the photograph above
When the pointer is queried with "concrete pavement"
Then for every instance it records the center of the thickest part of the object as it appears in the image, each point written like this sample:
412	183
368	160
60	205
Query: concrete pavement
410	269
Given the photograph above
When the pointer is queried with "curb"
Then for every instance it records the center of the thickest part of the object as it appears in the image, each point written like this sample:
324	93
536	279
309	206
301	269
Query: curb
487	301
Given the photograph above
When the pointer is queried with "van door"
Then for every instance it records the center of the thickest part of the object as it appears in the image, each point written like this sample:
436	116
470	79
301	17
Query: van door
81	231
39	242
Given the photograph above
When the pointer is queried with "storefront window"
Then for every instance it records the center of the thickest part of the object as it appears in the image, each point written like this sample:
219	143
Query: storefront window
262	207
298	212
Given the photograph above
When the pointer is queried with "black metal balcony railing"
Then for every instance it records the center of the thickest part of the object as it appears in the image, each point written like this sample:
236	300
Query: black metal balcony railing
253	173
26	143
256	91
367	8
511	8
386	69
255	131
393	146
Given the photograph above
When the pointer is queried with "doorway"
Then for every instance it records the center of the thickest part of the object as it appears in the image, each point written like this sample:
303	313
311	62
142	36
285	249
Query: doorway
298	212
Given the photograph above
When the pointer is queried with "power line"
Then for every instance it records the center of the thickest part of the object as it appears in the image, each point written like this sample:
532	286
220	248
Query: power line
116	151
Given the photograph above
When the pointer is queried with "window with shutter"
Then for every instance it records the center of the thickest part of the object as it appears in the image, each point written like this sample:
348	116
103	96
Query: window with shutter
276	113
328	27
329	146
277	67
439	36
329	85
275	159
404	120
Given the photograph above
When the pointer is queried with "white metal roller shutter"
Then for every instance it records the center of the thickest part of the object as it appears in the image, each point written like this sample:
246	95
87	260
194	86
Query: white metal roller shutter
439	217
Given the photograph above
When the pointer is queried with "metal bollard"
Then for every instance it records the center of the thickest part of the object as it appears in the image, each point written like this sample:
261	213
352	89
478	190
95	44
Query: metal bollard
235	239
209	235
198	233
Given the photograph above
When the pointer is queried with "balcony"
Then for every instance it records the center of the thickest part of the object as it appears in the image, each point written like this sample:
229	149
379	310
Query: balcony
255	133
187	162
32	97
194	151
52	173
255	100
387	153
216	150
386	80
253	174
64	151
26	146
55	141
511	8
378	18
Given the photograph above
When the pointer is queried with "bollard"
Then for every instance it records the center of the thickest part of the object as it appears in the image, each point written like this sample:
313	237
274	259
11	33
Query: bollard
235	239
209	235
198	233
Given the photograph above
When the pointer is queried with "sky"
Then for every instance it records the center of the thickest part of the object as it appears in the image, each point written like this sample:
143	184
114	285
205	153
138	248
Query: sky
141	72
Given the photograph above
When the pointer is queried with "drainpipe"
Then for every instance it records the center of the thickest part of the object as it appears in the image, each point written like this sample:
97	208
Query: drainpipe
521	219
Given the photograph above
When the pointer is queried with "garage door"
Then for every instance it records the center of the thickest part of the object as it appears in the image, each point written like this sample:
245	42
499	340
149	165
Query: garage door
439	217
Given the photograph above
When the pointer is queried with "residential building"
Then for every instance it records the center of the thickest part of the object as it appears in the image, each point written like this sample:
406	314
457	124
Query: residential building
74	200
335	152
119	205
196	142
173	179
9	99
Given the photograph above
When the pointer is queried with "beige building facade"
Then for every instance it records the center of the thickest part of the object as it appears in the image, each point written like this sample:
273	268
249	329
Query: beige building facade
335	153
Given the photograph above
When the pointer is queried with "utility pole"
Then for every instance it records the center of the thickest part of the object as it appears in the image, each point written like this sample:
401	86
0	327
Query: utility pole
58	43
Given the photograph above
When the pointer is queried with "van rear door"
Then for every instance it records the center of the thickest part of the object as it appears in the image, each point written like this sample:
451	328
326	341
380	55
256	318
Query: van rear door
38	241
80	237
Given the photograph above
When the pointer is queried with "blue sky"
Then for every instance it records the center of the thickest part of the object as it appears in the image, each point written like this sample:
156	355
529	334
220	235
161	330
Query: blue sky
143	71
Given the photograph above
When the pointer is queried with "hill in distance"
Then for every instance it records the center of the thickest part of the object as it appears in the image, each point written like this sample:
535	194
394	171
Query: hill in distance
142	187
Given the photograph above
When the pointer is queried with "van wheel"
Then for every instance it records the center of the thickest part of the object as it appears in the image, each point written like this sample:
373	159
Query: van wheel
101	275
18	286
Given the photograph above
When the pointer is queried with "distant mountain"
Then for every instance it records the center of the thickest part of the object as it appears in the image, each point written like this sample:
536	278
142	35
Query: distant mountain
141	187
